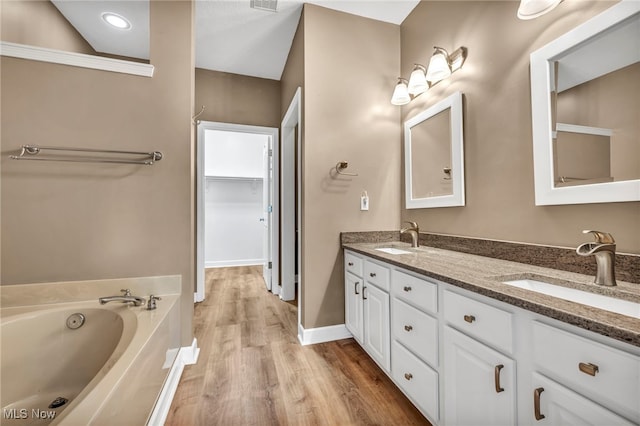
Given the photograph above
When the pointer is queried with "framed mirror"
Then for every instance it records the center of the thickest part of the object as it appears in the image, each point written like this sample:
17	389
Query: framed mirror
434	156
585	102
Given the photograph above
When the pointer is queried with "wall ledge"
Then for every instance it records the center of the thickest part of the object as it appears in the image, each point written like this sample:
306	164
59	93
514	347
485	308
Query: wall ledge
43	54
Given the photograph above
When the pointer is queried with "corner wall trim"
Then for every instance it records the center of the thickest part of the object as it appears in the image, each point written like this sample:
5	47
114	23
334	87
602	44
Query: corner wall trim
187	355
322	334
43	54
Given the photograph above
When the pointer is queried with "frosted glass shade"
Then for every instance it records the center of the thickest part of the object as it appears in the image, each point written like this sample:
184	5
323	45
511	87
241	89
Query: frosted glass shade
530	9
418	80
401	93
439	68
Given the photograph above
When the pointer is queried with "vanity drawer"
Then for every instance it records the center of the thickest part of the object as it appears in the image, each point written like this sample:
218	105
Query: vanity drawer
480	320
417	292
416	379
353	263
415	330
563	355
377	275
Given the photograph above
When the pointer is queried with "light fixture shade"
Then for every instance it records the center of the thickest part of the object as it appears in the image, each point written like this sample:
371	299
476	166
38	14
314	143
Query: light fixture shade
418	80
530	9
401	93
439	67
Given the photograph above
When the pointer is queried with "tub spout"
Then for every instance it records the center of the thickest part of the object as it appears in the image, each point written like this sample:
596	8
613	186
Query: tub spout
604	250
126	297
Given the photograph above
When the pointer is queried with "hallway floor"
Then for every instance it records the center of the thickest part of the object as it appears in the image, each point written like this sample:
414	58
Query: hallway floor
253	371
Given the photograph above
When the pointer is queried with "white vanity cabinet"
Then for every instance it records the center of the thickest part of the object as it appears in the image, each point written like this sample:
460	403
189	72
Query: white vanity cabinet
465	359
367	314
480	380
414	347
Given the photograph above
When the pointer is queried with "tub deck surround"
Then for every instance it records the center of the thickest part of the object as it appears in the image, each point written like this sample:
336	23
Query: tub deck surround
485	276
126	388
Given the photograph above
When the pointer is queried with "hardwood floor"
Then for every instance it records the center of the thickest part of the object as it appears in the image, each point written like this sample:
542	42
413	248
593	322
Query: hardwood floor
253	371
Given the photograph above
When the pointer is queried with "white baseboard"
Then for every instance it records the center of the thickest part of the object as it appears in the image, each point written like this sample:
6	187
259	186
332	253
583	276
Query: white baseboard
322	334
187	355
228	263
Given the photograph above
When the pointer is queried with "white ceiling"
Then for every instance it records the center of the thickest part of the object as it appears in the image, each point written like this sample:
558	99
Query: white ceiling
230	36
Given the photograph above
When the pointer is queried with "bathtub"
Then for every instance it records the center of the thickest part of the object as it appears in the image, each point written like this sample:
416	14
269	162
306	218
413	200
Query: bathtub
108	371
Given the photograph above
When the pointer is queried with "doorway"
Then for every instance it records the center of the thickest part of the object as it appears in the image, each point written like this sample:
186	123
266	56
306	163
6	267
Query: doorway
235	199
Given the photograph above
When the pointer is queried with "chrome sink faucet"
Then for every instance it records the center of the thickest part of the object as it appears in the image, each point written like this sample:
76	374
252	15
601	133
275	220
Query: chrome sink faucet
604	250
125	298
412	230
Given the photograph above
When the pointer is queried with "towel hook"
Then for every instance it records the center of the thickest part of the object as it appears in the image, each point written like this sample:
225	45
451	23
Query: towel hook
342	165
193	119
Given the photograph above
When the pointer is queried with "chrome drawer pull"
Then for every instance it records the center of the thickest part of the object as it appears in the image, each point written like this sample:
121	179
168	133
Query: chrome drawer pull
536	404
408	327
408	376
372	274
355	287
350	263
407	289
496	378
590	369
469	318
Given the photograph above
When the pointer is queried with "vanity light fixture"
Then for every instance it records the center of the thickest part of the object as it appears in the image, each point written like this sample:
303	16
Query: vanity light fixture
441	66
116	20
401	93
530	9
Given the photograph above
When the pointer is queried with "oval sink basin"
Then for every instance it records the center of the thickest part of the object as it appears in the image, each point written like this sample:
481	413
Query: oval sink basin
611	304
393	250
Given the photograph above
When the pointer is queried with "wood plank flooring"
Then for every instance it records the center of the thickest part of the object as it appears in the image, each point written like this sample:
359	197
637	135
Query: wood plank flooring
253	371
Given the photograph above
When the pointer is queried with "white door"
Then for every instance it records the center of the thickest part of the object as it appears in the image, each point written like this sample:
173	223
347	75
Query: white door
353	303
376	325
556	405
479	383
267	209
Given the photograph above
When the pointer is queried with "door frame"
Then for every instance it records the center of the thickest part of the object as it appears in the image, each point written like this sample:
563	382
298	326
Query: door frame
202	127
289	162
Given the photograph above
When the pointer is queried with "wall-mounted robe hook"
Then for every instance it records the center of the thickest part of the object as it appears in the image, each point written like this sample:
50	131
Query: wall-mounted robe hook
342	165
197	115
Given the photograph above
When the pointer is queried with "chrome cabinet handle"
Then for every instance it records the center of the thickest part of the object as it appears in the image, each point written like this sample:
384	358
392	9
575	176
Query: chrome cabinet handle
588	368
407	289
408	376
408	327
536	404
469	318
372	274
363	289
355	287
350	263
496	377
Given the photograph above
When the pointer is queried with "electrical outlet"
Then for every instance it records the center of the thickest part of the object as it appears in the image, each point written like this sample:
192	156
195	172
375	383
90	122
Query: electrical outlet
364	201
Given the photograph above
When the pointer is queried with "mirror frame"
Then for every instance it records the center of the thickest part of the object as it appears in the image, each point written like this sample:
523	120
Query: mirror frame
454	102
546	193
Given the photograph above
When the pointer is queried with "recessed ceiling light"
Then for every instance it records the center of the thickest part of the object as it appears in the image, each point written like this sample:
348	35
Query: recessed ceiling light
116	20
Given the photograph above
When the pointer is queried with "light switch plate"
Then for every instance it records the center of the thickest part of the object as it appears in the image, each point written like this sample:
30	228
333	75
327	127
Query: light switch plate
364	202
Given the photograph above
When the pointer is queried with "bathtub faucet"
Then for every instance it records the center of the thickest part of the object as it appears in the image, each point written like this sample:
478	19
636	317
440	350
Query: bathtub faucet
125	298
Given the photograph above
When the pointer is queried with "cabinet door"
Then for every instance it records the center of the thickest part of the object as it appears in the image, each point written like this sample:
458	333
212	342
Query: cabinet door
376	325
353	305
553	404
479	383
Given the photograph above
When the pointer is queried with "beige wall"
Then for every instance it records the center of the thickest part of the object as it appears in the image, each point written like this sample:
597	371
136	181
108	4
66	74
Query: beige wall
233	98
497	129
348	64
39	23
64	221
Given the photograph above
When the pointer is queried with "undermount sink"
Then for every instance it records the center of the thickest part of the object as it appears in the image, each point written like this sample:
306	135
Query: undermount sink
393	250
611	304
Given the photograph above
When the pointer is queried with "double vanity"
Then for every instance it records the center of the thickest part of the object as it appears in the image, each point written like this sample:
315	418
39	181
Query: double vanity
473	340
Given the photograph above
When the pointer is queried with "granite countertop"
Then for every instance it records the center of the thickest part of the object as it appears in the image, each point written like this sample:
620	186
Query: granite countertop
484	275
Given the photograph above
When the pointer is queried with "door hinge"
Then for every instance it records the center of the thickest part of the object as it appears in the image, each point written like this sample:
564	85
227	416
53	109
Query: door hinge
270	266
270	152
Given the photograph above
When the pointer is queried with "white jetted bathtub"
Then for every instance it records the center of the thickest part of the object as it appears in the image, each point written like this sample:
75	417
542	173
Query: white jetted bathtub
81	363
